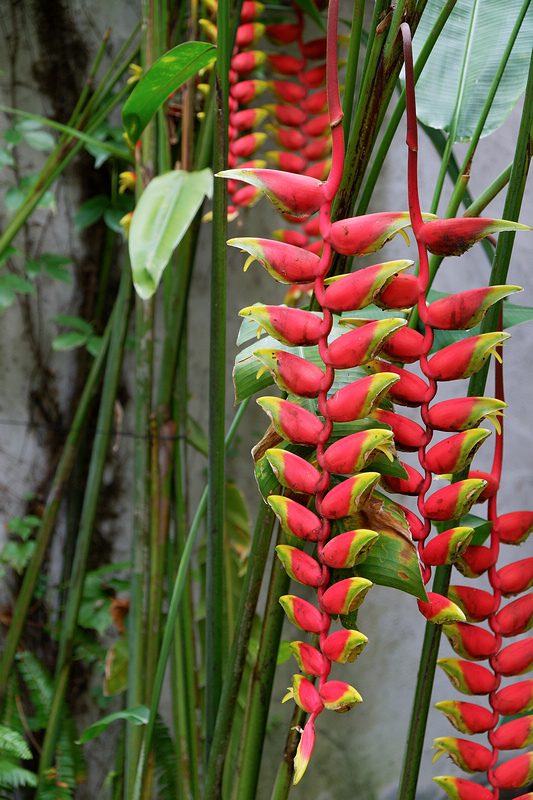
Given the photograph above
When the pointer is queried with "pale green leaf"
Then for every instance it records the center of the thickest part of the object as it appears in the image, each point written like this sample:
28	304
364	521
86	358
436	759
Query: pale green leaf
464	62
166	75
136	716
69	341
72	321
162	216
91	211
39	140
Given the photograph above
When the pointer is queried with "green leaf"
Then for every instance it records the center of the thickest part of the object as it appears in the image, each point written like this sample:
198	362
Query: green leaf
13	199
18	284
12	775
91	211
136	716
12	743
6	159
69	341
166	75
39	140
464	61
12	137
55	266
392	560
482	527
94	345
71	321
163	214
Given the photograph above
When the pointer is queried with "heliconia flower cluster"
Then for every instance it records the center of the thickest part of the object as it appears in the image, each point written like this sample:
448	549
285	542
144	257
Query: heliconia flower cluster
335	483
299	126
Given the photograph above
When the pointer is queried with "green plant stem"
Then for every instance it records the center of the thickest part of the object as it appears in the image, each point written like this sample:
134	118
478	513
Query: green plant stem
399	109
215	646
173	608
88	516
260	690
64	468
350	80
245	615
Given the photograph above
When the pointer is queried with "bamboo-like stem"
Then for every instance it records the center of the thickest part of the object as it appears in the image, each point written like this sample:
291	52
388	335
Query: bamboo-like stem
215	646
88	516
64	468
260	690
244	618
351	67
173	608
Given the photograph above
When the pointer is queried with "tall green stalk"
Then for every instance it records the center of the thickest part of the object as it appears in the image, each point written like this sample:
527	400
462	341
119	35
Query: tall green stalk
86	526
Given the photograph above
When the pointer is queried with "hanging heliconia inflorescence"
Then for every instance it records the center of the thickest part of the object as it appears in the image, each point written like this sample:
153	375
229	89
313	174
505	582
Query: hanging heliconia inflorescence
321	494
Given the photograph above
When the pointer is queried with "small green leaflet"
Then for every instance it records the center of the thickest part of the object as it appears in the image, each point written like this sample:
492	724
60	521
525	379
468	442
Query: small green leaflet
137	716
165	75
162	217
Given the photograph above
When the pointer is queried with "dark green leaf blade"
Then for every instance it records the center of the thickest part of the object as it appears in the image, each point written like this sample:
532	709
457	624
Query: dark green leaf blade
166	75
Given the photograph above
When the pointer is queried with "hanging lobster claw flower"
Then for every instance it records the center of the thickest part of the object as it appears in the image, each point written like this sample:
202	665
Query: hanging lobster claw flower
447	547
314	49
291	421
516	578
247	118
308	658
463	413
453	237
317	149
462	789
288	162
246	91
401	293
515	527
405	345
315	77
468	756
248	33
410	390
514	699
284	64
359	289
456	452
293	471
358	347
320	170
288	92
516	617
339	696
246	197
297	238
349	496
293	116
345	596
290	326
316	103
300	566
317	126
360	236
515	659
287	138
514	773
358	399
304	695
454	501
475	561
247	145
411	485
351	453
301	613
293	374
477	604
286	263
298	195
344	646
251	9
295	519
408	435
514	735
462	311
467	717
470	641
247	61
468	678
440	610
304	750
464	358
347	549
283	32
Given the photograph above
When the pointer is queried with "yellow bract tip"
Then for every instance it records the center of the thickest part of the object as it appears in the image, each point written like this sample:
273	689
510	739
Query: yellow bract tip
405	236
260	372
248	261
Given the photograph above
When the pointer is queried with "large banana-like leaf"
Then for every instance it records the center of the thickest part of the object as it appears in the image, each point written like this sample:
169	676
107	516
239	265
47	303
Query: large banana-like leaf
461	68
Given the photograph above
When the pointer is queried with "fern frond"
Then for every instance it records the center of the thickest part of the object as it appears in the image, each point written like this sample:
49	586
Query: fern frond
39	685
12	743
12	776
165	761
